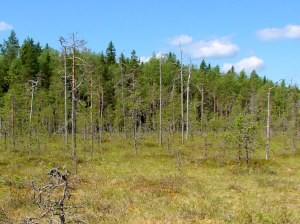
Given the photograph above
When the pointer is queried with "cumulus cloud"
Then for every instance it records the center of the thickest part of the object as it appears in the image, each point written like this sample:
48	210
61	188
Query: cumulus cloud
197	49
287	32
216	48
181	39
144	59
246	64
5	26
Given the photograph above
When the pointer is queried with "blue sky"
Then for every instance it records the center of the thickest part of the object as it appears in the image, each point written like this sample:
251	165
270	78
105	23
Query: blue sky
249	34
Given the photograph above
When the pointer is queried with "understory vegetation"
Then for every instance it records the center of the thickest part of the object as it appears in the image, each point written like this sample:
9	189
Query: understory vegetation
118	187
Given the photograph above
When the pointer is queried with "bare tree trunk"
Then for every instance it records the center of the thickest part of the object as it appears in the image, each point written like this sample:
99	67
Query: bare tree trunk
187	103
181	96
66	103
268	125
30	120
62	43
33	85
73	114
73	44
173	113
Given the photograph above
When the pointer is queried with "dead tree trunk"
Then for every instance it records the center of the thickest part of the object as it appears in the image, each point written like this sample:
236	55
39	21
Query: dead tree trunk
66	103
73	44
73	113
33	86
62	43
187	103
181	97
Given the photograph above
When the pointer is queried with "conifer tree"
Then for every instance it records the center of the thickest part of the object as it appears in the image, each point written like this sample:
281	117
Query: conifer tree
110	54
29	54
9	51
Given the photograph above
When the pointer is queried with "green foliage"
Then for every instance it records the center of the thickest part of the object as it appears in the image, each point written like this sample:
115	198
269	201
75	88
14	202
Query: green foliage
110	54
10	47
123	93
9	52
47	66
29	54
243	136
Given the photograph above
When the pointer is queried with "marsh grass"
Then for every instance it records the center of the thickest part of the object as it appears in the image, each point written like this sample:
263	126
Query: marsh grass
118	187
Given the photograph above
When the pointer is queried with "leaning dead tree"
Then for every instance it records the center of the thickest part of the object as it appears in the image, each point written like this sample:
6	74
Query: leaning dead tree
52	199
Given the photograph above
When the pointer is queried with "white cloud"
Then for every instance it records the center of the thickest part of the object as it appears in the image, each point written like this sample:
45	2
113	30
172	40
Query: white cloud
216	48
144	59
156	55
246	64
5	26
198	49
161	55
287	32
181	39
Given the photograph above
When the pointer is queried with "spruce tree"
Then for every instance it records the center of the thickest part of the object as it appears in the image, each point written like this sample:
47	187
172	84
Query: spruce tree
9	52
29	54
110	54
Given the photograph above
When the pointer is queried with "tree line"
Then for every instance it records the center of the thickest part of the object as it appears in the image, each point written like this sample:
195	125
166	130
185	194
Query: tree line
73	90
